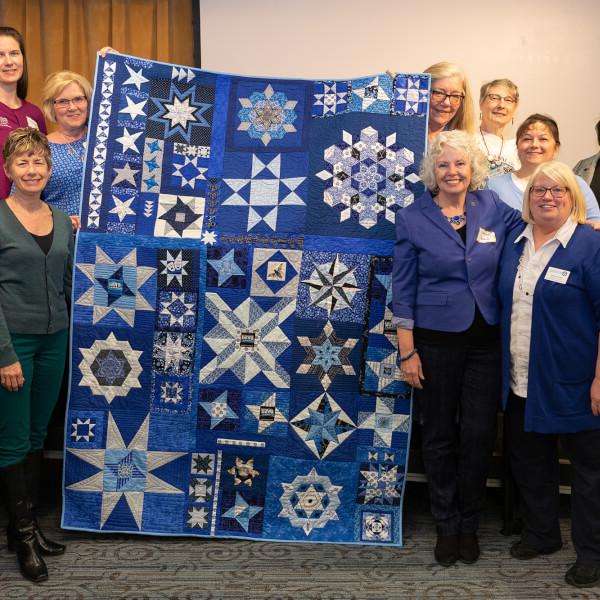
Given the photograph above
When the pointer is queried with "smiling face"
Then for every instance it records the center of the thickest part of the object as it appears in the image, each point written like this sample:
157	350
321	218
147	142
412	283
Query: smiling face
548	210
11	61
497	110
29	172
452	172
71	117
536	145
442	111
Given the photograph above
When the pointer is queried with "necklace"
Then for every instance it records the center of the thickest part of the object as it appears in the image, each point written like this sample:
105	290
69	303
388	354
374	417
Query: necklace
455	220
494	162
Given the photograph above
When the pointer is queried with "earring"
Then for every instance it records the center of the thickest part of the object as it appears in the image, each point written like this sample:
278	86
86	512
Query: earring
513	121
480	117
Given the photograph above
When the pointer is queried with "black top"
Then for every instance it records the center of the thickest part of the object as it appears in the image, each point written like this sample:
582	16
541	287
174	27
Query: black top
44	241
480	332
595	183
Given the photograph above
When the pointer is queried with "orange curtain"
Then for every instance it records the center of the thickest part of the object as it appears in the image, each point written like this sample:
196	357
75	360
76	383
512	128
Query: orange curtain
66	34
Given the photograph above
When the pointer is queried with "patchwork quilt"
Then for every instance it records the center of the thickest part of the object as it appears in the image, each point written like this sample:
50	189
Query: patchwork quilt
234	368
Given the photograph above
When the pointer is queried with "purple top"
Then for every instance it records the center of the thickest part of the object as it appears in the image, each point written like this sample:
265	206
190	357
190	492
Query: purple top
28	115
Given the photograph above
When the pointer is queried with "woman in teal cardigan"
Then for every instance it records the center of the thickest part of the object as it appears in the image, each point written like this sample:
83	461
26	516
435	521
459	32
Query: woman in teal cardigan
36	251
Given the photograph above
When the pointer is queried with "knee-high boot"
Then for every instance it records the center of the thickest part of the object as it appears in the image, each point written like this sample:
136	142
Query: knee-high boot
33	473
21	528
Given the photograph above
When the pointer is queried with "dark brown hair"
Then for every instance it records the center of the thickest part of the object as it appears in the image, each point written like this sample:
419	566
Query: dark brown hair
546	120
24	80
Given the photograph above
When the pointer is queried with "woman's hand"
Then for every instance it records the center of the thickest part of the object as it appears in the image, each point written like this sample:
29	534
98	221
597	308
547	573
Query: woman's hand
104	51
11	377
413	371
75	221
595	396
595	225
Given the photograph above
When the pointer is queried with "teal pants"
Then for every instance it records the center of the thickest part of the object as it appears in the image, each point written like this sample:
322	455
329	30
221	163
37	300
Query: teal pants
24	415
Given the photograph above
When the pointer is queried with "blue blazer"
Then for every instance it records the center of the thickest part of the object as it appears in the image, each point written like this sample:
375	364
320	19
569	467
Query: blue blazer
564	335
437	280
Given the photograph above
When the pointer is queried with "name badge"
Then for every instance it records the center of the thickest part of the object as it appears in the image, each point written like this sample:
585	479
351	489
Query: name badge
486	237
557	275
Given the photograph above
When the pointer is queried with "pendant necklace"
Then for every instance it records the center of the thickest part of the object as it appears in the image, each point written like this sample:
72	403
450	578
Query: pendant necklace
494	162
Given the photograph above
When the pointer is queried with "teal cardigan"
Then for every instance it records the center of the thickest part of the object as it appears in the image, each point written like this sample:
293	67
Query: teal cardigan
34	288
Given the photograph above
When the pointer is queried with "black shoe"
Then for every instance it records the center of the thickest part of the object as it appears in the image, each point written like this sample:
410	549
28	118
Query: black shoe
446	550
524	551
21	528
47	547
33	469
583	576
468	548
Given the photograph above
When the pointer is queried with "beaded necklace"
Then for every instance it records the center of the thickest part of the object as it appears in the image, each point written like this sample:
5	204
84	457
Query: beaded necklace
494	161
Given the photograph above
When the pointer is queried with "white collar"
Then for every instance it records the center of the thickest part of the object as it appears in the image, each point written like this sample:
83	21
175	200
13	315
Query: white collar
563	234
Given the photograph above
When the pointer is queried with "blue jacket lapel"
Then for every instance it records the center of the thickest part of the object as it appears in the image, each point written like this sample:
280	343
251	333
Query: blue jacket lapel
432	211
473	211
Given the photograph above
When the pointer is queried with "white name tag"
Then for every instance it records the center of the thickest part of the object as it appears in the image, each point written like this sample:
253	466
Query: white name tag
486	237
557	275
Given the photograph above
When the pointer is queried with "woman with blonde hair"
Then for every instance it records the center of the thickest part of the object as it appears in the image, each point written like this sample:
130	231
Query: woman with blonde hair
498	101
451	102
549	287
66	99
448	244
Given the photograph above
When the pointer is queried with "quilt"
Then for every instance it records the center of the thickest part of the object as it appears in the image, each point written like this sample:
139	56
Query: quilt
234	371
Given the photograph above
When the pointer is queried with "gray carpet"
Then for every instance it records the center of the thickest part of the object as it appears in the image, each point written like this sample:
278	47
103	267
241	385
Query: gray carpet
136	567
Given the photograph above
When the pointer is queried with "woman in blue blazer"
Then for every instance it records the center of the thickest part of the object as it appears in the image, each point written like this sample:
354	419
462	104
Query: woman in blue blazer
448	245
549	287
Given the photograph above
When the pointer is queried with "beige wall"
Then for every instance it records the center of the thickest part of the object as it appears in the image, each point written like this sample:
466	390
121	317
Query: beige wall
550	48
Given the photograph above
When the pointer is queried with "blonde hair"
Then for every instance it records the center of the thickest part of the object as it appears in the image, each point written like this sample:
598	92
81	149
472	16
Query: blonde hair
55	83
507	83
464	119
563	175
459	140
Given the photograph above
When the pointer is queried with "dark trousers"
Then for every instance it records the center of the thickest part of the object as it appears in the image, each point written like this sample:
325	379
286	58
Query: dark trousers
458	404
534	463
24	415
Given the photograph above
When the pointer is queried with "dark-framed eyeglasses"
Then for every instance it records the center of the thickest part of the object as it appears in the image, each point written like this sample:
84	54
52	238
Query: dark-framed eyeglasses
497	98
439	96
557	191
66	102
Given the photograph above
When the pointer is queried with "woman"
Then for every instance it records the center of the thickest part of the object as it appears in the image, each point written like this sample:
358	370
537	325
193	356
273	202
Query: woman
36	247
549	287
448	244
588	169
65	101
538	142
451	103
15	111
498	100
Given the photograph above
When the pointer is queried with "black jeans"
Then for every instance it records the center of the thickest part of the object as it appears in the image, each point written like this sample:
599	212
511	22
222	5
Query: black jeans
534	463
458	404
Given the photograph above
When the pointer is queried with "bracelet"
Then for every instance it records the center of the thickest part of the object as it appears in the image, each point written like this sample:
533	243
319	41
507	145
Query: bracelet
409	355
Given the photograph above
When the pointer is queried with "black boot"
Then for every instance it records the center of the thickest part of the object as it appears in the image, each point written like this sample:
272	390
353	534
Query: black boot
21	528
33	473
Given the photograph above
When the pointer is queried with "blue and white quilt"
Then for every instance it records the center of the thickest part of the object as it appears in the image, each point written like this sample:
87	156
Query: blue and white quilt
234	369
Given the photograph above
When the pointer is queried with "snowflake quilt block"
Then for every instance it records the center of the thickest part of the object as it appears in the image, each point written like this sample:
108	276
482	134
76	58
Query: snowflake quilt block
234	371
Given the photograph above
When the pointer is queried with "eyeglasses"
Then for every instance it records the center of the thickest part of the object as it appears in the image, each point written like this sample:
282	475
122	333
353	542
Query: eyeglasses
557	191
439	96
65	102
497	98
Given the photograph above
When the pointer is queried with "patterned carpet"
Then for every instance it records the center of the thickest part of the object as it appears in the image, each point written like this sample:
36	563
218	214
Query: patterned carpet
128	567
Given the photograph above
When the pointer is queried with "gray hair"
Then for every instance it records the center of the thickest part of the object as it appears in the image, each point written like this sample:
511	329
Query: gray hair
459	140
